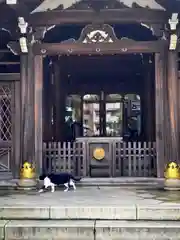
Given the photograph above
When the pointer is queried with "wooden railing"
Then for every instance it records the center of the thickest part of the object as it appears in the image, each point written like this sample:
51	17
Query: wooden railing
133	159
137	159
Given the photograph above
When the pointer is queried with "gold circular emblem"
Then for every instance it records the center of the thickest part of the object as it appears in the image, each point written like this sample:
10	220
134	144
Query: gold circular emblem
99	153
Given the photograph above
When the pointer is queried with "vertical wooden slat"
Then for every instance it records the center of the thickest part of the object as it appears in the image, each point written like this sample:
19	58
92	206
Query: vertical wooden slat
69	163
149	170
50	156
129	159
85	160
140	161
144	146
124	158
59	164
114	157
79	150
64	156
134	158
45	146
38	86
74	159
79	157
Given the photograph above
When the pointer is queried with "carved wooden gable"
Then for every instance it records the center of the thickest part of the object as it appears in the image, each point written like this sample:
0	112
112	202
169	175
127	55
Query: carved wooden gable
98	34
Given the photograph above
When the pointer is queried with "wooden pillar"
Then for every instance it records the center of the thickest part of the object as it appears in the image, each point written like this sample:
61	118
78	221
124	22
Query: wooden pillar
59	103
47	101
149	102
38	87
27	108
31	84
173	99
161	103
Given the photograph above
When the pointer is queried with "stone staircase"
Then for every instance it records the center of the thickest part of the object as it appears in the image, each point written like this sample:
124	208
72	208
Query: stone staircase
110	213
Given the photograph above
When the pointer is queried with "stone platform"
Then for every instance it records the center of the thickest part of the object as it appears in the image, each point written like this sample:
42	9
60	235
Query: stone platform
140	182
90	213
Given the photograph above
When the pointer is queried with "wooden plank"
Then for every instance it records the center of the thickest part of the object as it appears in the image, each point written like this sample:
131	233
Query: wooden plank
119	47
124	15
38	86
9	76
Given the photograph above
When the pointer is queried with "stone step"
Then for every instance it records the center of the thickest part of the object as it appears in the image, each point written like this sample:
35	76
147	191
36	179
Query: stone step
156	212
94	182
89	230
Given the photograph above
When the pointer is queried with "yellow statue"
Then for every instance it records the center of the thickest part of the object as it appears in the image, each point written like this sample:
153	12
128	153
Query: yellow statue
27	171
172	171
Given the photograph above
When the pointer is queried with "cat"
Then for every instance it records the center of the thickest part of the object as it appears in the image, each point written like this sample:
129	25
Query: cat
55	179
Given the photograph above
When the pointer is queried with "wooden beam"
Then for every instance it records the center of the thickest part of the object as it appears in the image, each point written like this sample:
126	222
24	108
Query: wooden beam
9	76
126	15
120	47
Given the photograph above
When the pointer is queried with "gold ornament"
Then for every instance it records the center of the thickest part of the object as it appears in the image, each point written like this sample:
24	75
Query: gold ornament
172	171
99	154
27	171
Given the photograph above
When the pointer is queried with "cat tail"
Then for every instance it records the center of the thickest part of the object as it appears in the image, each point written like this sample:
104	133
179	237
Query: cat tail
77	179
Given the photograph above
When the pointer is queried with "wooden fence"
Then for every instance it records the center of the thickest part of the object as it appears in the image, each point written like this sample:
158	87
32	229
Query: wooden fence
131	159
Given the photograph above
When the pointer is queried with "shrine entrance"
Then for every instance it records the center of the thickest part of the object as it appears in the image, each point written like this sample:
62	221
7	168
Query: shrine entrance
102	102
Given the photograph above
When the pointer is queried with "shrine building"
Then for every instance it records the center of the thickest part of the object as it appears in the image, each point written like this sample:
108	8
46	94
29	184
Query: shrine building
90	87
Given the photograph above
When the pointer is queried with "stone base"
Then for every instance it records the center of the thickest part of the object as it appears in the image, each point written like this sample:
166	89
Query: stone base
172	184
27	184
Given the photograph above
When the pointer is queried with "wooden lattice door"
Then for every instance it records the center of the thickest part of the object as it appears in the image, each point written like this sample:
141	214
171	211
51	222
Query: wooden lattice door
6	111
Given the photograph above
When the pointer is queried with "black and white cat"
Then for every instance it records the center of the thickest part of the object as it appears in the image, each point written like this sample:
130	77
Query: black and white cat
55	179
